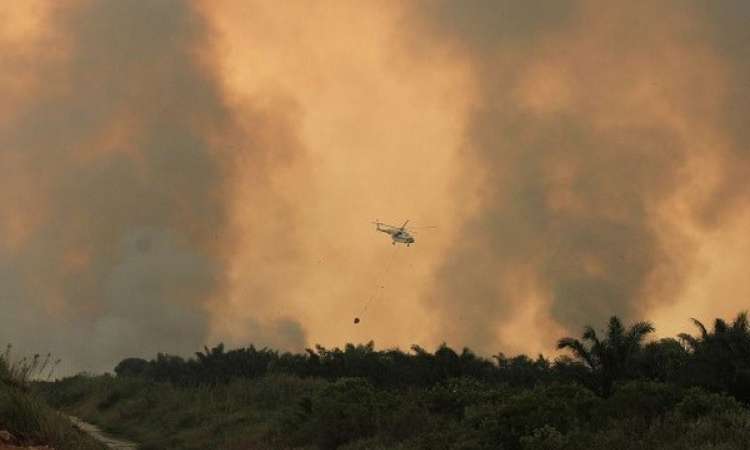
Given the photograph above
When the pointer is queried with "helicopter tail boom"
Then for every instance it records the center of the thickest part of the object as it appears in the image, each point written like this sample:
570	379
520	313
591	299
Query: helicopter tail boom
384	228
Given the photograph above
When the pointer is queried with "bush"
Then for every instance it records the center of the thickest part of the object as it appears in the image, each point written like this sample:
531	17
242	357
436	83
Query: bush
342	412
698	403
450	399
19	413
564	407
644	400
405	421
67	392
134	367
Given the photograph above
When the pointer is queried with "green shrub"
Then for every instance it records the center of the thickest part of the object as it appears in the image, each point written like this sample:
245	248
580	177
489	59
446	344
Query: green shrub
642	400
404	421
19	413
698	403
110	400
728	429
342	412
450	398
134	367
66	392
135	408
563	407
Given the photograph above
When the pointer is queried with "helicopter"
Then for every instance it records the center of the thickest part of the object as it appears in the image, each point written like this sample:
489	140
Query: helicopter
398	234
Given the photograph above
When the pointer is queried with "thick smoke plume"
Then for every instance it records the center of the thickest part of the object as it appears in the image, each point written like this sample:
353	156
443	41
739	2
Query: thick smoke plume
178	173
605	136
117	149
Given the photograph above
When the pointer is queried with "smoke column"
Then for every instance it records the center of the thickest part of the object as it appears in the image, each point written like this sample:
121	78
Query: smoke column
181	173
118	149
609	139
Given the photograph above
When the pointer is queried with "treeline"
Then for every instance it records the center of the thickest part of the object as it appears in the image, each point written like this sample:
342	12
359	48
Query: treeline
613	389
716	358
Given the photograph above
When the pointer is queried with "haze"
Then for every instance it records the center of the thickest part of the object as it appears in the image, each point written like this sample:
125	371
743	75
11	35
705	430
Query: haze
182	173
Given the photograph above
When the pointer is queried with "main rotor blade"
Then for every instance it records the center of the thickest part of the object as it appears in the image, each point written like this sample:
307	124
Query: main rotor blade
384	225
404	225
420	228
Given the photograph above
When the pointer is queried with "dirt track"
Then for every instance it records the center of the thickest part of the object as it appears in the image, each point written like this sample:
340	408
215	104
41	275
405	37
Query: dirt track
100	436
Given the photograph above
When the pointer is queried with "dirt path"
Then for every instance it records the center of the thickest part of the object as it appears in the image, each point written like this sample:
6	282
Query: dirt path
101	436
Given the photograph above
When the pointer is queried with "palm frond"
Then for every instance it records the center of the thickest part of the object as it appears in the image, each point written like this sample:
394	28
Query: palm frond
640	330
701	327
578	349
689	340
740	323
720	326
589	334
635	336
615	330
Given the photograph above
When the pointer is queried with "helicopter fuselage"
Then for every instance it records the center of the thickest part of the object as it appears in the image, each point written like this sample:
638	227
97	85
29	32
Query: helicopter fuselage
403	237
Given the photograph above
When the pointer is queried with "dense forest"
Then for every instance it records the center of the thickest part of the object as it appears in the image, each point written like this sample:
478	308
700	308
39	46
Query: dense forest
613	389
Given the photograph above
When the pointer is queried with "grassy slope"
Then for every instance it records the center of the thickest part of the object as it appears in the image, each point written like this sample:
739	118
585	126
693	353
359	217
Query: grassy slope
29	419
161	416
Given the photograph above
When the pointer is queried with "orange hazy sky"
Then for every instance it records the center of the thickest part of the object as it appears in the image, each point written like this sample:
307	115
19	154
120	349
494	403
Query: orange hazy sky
180	173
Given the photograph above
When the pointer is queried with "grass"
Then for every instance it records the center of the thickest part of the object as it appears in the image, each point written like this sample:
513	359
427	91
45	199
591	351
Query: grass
25	414
159	415
24	370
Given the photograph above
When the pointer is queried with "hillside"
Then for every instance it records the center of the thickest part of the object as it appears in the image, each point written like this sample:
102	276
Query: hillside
26	422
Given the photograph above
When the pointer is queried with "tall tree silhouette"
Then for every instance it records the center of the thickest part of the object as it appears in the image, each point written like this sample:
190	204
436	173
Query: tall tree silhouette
720	358
608	358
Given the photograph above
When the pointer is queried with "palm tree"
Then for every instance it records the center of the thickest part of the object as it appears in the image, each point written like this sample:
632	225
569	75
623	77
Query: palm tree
731	337
720	358
608	359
